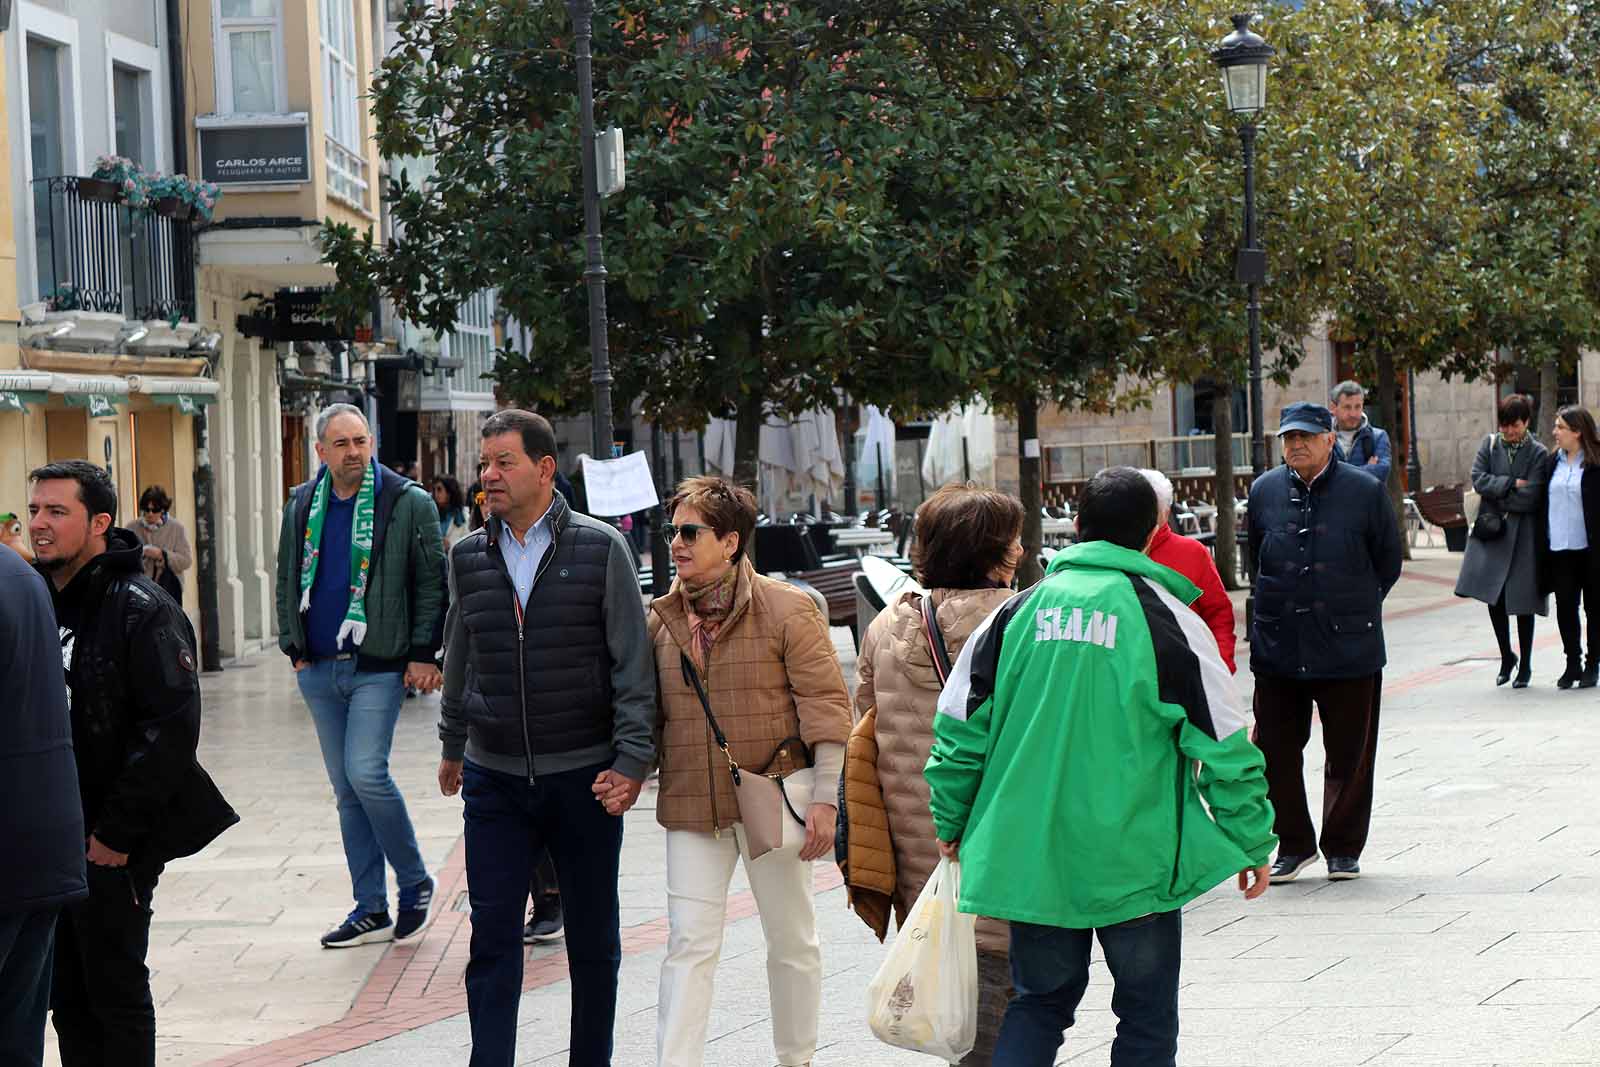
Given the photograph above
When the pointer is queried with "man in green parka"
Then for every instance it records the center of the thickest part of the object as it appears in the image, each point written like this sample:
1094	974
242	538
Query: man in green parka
1064	771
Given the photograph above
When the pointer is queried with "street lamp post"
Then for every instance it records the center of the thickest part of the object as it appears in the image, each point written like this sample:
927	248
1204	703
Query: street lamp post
1243	57
1413	453
594	273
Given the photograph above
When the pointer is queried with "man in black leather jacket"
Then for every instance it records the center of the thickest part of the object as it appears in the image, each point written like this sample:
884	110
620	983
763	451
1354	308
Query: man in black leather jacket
41	819
134	696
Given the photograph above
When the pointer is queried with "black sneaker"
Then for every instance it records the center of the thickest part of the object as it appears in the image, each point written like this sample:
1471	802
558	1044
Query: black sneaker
1343	868
545	922
414	910
1288	868
360	928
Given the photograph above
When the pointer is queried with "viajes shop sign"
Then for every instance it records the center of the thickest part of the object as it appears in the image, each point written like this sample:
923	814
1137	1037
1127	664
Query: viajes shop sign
246	152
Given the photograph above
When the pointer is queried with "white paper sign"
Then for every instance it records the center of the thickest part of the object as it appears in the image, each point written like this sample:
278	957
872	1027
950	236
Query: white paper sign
619	486
1030	448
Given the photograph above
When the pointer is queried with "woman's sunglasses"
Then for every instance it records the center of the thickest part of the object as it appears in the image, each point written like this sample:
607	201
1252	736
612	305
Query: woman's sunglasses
689	530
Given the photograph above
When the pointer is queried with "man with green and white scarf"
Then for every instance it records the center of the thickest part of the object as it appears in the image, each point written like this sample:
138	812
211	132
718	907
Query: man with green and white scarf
360	615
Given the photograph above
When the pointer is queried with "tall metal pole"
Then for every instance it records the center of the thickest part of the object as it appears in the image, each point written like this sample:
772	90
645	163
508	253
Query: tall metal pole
594	273
1413	453
1258	441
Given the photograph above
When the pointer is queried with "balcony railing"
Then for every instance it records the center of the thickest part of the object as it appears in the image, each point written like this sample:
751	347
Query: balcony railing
96	254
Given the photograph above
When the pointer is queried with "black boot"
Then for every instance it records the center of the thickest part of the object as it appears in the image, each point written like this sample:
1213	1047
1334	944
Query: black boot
1591	673
1573	673
1508	663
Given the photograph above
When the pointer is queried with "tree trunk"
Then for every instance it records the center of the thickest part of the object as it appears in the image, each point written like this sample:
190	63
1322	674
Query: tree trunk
1029	489
1387	418
848	419
1225	550
747	444
1549	381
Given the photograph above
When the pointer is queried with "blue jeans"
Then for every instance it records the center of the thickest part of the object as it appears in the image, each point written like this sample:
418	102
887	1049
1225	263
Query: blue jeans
355	713
1050	971
26	940
508	820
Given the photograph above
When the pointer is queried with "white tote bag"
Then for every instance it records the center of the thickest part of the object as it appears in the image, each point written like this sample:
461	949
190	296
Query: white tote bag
925	996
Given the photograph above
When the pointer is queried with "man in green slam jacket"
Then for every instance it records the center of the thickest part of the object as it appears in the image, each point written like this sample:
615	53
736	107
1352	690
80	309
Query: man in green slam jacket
1063	770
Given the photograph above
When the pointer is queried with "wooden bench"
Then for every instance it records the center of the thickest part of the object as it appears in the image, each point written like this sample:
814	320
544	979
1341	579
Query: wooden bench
1441	506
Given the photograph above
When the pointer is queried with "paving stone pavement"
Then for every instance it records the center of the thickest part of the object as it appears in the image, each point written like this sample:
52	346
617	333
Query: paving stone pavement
1472	940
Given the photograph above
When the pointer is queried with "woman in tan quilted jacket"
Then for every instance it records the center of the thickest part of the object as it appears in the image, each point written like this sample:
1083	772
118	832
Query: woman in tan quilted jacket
968	545
762	651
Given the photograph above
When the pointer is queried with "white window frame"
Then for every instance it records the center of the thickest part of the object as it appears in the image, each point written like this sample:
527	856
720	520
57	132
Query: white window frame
346	159
61	31
221	28
125	52
475	319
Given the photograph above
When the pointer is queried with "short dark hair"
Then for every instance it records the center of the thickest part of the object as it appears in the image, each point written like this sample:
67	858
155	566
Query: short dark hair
963	532
538	436
1119	506
1515	408
155	498
95	489
727	506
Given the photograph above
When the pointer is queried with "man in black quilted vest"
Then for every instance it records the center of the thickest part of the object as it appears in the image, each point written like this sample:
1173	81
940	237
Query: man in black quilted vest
547	723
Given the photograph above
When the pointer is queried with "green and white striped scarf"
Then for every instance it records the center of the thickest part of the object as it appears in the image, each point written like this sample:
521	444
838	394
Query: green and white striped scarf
354	626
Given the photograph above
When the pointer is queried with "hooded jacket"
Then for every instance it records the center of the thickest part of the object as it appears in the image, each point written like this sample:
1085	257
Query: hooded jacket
1065	743
405	597
135	701
41	814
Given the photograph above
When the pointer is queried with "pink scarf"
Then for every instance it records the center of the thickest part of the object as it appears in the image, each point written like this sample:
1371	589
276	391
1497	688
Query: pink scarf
709	605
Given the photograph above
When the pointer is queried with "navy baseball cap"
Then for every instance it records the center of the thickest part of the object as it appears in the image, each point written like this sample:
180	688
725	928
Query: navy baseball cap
1305	417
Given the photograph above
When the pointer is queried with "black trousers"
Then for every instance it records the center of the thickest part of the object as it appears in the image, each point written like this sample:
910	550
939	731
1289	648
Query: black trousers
1349	708
100	997
1575	580
25	945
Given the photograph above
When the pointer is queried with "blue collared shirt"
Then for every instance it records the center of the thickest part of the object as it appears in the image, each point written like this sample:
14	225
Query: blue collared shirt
1567	531
522	557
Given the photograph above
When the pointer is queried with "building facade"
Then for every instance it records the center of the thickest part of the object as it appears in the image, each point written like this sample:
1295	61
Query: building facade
274	96
102	352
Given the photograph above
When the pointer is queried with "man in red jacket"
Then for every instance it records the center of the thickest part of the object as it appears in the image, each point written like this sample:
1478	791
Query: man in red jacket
1193	560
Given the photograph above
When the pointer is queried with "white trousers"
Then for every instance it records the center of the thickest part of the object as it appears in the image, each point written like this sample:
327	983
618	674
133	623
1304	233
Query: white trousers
699	868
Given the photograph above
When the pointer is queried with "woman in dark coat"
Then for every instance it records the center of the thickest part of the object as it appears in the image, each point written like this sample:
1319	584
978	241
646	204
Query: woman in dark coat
1570	548
1509	475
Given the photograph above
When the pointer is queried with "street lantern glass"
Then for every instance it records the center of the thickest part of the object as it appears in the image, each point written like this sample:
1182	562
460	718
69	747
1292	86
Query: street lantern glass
1243	57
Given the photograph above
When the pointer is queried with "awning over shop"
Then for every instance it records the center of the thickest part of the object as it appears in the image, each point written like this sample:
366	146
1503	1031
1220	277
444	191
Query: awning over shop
185	394
18	389
102	393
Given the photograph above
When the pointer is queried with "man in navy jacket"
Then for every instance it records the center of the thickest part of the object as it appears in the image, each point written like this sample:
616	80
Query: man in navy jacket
41	819
1361	444
1327	552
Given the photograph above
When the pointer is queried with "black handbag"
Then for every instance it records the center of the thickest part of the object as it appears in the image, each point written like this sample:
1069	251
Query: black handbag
1490	526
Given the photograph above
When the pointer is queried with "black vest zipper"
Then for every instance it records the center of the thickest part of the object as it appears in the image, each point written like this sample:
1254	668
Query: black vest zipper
522	660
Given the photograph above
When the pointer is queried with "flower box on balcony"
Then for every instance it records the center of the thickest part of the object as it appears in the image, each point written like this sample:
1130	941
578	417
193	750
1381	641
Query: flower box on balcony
100	189
173	208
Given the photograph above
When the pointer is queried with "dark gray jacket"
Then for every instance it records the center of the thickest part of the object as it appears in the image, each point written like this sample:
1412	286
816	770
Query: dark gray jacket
41	817
573	685
1510	563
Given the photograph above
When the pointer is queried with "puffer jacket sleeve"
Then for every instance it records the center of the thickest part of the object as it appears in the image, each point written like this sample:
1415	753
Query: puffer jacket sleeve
821	701
866	685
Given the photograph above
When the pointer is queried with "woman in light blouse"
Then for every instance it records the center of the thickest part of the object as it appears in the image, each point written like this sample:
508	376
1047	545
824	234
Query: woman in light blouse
1571	556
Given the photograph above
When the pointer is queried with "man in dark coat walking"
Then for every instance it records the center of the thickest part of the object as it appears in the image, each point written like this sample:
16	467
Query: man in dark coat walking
1327	551
41	820
134	695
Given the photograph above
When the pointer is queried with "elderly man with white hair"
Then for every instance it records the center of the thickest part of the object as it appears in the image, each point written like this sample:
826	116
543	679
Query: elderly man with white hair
1191	559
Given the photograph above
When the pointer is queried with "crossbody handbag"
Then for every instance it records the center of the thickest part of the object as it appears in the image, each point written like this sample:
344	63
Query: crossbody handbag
1490	523
761	795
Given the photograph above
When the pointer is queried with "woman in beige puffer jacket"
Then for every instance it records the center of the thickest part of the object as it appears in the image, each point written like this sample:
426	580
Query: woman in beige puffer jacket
968	545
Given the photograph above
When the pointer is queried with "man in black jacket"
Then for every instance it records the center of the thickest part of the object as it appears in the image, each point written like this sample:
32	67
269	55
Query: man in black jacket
1327	552
134	696
41	819
548	725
